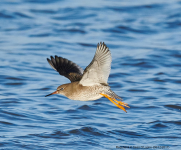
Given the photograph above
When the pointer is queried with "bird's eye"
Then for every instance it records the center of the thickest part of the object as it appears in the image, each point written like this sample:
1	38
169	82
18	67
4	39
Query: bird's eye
61	89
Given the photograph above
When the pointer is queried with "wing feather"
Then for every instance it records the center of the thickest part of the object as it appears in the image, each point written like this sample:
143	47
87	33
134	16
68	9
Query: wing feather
66	68
97	72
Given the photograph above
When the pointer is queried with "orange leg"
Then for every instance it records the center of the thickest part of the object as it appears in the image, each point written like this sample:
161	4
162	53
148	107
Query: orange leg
116	102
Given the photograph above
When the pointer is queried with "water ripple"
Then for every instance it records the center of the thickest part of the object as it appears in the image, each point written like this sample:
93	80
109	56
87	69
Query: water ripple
144	40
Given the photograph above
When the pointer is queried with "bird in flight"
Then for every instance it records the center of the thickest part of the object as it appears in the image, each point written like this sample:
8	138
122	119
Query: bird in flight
88	84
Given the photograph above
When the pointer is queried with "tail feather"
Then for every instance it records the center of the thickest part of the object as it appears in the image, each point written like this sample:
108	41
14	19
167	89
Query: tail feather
111	94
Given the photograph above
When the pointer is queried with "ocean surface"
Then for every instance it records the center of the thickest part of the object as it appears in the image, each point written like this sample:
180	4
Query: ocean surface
144	37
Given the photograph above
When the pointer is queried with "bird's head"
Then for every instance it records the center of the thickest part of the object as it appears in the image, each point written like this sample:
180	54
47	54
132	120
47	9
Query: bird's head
60	90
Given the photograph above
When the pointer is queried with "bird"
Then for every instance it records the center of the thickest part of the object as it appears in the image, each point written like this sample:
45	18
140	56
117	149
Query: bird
88	84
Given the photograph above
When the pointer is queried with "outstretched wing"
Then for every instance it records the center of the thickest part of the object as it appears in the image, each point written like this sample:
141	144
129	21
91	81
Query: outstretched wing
66	68
99	69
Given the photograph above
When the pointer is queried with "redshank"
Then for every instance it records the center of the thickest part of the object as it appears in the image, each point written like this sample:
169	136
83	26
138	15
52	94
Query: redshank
88	84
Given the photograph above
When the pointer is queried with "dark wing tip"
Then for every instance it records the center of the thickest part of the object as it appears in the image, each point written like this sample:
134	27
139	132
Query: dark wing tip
101	44
65	67
52	63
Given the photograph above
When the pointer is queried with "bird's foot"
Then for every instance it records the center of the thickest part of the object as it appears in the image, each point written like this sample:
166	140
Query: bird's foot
119	104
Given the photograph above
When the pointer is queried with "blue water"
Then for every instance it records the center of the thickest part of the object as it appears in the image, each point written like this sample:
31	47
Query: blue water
145	41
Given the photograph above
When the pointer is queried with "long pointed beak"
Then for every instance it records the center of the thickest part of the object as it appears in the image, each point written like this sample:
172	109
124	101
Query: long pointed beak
56	92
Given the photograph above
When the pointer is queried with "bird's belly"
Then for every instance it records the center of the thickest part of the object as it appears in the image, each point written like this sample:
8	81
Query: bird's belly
86	94
86	98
